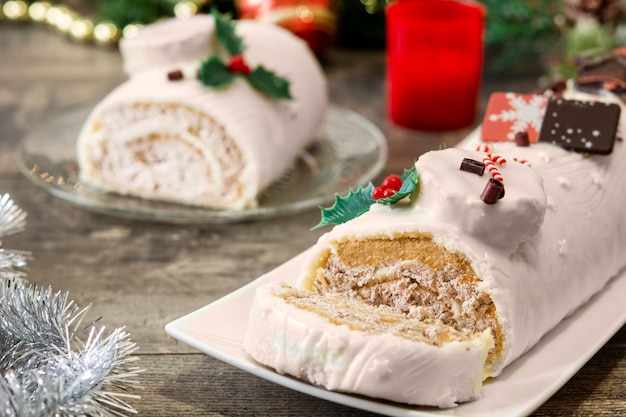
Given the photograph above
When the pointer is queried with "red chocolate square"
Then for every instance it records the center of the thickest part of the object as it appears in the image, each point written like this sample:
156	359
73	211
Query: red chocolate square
510	113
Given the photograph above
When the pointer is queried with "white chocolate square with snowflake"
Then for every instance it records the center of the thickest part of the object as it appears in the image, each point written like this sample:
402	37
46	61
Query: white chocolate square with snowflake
510	113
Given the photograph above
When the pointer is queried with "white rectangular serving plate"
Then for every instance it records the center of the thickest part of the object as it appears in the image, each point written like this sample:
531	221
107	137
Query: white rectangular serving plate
218	330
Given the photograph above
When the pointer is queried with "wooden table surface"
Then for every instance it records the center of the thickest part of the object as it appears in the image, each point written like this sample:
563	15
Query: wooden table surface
143	275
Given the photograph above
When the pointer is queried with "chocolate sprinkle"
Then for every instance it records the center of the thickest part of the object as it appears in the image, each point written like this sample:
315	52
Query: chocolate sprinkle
580	126
521	139
473	166
175	75
494	190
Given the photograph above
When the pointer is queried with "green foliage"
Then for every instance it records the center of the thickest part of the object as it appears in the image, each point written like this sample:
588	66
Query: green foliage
124	12
519	33
214	73
269	83
226	35
360	200
347	208
589	37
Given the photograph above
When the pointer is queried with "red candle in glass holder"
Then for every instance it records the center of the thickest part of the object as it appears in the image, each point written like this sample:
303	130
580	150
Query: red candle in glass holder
434	62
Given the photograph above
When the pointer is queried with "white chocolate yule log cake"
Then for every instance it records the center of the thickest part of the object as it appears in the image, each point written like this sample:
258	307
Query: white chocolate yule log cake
441	277
213	112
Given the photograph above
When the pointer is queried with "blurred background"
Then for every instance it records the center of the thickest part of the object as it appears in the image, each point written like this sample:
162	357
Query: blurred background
523	37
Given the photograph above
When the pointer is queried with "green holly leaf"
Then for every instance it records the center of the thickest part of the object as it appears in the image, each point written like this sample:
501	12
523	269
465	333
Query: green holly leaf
226	35
347	208
269	83
214	73
360	200
409	183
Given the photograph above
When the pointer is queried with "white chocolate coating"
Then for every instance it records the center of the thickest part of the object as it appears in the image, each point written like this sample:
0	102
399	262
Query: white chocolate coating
454	200
166	43
555	239
306	345
208	147
580	245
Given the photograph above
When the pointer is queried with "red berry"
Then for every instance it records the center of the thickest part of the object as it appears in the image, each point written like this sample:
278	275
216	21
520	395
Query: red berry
237	64
388	192
393	182
378	193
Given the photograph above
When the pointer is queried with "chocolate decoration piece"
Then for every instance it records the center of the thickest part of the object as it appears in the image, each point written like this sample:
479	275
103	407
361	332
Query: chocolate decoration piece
175	75
508	113
494	190
521	139
473	166
580	126
558	86
611	70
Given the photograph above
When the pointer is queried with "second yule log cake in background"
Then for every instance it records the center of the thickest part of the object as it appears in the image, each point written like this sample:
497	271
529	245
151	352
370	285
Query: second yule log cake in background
488	246
213	112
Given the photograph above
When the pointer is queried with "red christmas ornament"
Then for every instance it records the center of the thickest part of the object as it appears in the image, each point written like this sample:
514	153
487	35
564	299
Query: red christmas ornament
315	21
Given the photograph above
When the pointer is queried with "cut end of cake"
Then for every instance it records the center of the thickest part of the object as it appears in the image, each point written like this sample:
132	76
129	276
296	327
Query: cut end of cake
164	151
351	346
412	274
371	319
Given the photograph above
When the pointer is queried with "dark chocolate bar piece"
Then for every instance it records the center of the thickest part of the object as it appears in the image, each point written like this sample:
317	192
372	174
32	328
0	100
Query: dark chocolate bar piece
473	166
580	126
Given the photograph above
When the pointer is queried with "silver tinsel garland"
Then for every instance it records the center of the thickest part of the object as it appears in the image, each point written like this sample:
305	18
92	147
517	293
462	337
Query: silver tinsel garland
51	363
12	220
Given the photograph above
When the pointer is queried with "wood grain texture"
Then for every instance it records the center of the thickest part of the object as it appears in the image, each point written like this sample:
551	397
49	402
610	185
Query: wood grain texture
143	275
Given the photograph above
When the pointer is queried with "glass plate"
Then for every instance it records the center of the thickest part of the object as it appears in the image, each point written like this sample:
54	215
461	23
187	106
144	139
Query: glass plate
522	387
349	151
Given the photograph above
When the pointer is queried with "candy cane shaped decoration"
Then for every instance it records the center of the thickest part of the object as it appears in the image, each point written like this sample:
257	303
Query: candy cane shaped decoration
484	147
497	159
493	170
